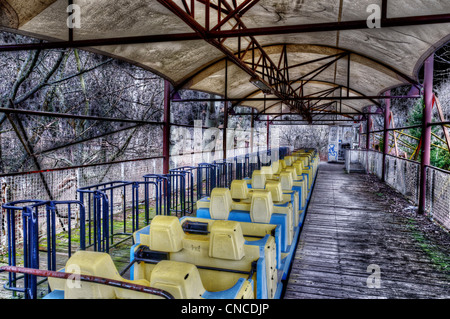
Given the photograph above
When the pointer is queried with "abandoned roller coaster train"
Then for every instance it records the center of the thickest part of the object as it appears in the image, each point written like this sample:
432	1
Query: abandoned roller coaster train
248	216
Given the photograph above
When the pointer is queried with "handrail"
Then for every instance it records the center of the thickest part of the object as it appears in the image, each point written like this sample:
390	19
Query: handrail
88	278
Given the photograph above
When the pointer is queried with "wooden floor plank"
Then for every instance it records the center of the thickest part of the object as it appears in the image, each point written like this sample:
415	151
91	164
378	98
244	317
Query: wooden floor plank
347	228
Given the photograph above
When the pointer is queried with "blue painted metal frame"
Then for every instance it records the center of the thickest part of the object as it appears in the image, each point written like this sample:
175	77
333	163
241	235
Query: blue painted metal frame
30	232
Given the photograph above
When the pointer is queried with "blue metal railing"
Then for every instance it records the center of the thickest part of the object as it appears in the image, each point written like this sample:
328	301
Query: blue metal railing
174	194
29	210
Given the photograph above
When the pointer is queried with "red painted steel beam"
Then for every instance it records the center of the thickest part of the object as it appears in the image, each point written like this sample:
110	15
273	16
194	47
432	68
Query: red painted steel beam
387	111
304	98
166	132
281	88
426	131
275	30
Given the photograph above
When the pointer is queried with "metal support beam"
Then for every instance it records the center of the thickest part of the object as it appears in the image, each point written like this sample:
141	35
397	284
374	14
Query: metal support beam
166	132
426	130
387	112
225	113
368	129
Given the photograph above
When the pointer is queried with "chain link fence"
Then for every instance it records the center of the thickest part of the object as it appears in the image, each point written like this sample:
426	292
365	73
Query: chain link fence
62	185
404	176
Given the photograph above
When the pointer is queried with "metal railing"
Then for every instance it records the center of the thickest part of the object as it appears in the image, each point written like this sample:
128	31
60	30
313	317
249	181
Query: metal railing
404	176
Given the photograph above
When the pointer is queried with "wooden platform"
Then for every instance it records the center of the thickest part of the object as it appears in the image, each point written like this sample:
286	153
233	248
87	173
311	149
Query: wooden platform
347	229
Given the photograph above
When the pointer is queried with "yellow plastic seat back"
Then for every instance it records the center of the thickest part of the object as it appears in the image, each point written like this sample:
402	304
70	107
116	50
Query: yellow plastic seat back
293	170
276	167
166	234
268	171
182	280
239	189
220	203
282	164
288	160
226	240
258	180
275	189
286	181
92	264
261	208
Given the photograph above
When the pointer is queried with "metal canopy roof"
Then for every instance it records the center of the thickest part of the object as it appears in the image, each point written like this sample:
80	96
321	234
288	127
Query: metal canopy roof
301	49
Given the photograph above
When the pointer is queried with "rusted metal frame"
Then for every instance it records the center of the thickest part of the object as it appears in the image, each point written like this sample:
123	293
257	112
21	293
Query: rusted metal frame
186	7
296	114
348	75
234	27
166	129
387	110
25	141
391	118
87	139
304	98
212	5
279	74
225	114
247	4
80	166
314	120
314	61
89	278
395	129
384	5
197	27
71	116
322	108
323	95
70	2
319	70
207	13
441	116
426	131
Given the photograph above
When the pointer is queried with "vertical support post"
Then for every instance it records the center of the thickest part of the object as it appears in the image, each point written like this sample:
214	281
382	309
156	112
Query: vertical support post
426	130
368	128
387	112
268	132
225	113
252	130
166	130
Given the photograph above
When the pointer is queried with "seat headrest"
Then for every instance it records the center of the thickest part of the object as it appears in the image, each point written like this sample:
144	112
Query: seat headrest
286	181
276	167
282	164
293	170
268	171
226	240
258	180
288	160
166	234
261	208
220	203
275	189
182	280
299	166
91	263
239	189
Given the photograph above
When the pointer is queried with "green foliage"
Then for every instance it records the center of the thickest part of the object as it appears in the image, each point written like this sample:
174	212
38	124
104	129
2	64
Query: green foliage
439	157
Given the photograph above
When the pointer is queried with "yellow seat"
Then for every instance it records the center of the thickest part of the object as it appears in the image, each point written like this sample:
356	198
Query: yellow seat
262	206
227	240
180	279
220	203
100	265
239	190
166	234
258	179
